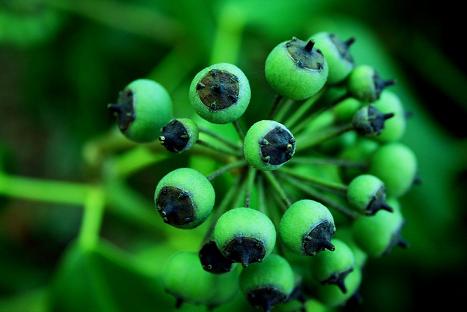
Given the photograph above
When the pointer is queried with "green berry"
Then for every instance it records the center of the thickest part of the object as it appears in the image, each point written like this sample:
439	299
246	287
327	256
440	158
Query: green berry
337	55
306	227
365	84
179	135
213	260
332	267
296	69
345	234
369	121
394	128
184	198
361	151
220	93
396	165
142	108
346	109
245	235
268	283
333	297
366	194
377	235
268	145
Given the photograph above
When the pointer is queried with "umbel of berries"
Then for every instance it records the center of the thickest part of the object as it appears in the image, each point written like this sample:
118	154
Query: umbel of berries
296	69
220	93
179	135
142	108
184	198
306	227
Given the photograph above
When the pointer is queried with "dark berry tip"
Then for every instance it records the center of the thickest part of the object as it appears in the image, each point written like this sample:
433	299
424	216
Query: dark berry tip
213	260
319	239
304	55
388	83
402	243
417	180
338	279
277	146
388	116
309	46
245	250
174	136
175	206
386	207
218	89
349	42
178	303
266	297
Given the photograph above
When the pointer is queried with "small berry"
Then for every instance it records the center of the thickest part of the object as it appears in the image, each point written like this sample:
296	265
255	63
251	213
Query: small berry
333	297
360	151
296	69
268	145
394	128
184	198
396	165
268	283
365	84
377	235
307	227
369	121
345	234
337	55
220	93
366	193
332	267
346	109
179	135
213	260
245	235
143	107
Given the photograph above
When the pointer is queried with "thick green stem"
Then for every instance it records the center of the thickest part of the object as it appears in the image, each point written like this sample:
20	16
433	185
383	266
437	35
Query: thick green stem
277	187
224	169
219	149
134	160
219	138
92	218
315	181
306	141
250	184
284	108
275	106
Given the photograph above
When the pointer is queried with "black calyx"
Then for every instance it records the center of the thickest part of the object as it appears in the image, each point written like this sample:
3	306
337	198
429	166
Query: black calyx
381	84
319	239
213	260
377	203
343	47
370	122
123	110
277	146
245	250
175	206
338	279
174	136
397	240
304	54
266	297
219	89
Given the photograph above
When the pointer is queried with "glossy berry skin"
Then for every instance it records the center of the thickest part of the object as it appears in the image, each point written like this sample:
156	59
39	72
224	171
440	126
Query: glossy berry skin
332	297
296	69
346	109
377	235
220	93
143	107
184	198
333	267
306	227
267	283
337	55
396	165
366	194
394	128
179	135
365	84
245	235
369	121
268	145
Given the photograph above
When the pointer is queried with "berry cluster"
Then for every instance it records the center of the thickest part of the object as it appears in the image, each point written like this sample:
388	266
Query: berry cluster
300	252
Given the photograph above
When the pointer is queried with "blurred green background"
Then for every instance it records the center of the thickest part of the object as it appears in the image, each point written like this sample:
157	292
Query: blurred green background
62	61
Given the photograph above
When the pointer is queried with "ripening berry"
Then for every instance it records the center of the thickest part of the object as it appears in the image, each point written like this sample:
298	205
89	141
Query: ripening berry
142	108
366	194
306	227
346	109
296	69
333	297
179	135
394	128
184	198
365	84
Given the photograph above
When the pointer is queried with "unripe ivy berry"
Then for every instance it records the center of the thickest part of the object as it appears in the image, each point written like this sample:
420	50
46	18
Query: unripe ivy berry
378	234
369	121
332	267
268	283
184	198
296	69
220	93
366	194
306	227
361	151
213	260
394	128
337	55
245	235
345	234
365	84
268	145
179	135
346	109
333	297
142	108
396	165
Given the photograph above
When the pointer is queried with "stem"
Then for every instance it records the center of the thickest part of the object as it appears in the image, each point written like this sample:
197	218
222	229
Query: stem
278	188
92	218
135	160
224	169
220	138
250	184
219	149
303	109
321	198
306	141
261	199
283	109
275	106
239	130
318	182
328	161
